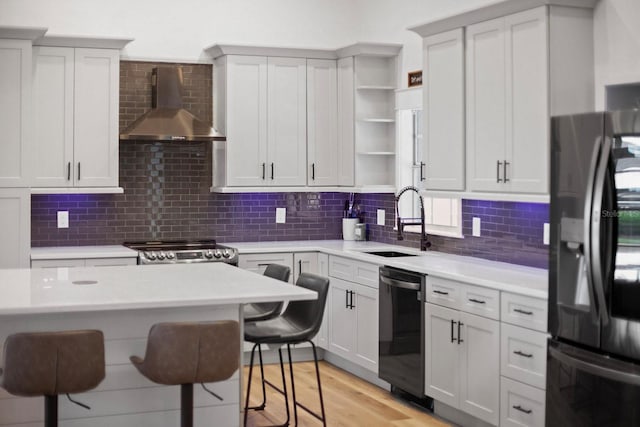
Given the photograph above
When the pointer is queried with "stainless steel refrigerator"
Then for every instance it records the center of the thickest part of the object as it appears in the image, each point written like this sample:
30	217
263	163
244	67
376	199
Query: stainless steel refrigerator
593	362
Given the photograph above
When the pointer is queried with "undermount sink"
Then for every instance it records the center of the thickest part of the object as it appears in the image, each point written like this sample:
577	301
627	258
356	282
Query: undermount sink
389	254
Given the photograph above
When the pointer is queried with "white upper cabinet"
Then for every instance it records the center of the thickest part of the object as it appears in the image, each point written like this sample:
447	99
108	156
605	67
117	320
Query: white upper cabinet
443	109
287	121
507	103
246	120
522	65
75	98
264	103
322	122
346	144
15	90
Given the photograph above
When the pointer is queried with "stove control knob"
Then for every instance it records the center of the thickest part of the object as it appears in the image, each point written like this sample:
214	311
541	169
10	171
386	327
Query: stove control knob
217	254
208	254
150	256
160	256
226	253
170	255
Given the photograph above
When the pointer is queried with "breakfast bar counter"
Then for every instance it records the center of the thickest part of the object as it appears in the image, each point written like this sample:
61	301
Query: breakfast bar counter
124	302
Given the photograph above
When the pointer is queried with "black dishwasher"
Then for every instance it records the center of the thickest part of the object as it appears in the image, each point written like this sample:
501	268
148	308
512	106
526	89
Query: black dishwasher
401	329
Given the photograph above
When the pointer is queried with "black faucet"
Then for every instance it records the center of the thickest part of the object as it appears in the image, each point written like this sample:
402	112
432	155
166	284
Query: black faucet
424	243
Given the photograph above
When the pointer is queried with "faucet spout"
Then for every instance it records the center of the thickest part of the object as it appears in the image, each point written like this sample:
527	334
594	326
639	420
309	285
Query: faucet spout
424	242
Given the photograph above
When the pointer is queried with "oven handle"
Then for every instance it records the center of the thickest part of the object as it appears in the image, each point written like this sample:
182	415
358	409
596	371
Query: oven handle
594	369
400	283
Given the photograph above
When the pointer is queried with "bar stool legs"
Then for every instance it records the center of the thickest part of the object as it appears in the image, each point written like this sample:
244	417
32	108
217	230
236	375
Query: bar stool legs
51	411
296	404
186	405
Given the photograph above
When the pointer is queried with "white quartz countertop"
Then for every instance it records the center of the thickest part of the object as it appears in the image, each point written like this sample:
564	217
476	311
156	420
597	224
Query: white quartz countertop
502	276
69	252
53	290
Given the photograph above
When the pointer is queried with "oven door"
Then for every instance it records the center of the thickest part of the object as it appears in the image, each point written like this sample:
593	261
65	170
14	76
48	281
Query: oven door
586	389
401	338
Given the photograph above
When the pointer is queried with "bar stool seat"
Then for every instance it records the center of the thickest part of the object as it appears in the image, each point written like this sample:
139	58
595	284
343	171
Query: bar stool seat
185	353
299	323
267	310
52	363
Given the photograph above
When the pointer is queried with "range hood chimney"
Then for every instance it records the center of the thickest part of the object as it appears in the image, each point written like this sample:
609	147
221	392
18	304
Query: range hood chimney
167	120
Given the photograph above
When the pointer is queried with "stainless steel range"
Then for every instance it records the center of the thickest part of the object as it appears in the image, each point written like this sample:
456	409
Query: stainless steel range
183	251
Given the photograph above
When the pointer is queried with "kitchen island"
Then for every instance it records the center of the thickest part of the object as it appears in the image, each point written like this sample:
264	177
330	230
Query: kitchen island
124	302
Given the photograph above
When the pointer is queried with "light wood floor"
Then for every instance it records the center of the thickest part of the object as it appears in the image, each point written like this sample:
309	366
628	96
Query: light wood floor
349	401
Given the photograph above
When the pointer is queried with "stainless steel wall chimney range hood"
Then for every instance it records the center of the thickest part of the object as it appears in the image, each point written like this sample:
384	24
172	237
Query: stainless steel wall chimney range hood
167	120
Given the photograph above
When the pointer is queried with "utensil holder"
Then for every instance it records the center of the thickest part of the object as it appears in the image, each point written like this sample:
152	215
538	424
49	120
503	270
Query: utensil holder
349	228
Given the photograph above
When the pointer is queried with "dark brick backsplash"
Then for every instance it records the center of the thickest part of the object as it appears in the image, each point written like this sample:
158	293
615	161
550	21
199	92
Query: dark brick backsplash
166	196
511	232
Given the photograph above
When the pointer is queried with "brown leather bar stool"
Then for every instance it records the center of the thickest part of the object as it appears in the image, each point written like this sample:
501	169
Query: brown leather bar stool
299	323
52	363
190	352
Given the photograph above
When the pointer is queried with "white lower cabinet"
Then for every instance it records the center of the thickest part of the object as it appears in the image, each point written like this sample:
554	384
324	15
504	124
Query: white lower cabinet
521	405
15	227
353	325
304	262
462	361
322	338
83	262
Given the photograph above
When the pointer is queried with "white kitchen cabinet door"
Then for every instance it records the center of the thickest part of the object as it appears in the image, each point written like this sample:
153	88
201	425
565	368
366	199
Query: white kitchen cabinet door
480	367
322	338
322	122
442	365
342	319
486	106
259	262
365	302
443	109
527	96
53	94
346	141
246	126
15	227
96	101
15	101
287	121
304	262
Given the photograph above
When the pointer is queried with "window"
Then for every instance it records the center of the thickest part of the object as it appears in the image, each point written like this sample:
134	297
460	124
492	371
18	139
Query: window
443	215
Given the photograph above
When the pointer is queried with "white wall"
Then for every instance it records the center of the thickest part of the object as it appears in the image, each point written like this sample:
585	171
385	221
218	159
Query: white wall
169	30
617	44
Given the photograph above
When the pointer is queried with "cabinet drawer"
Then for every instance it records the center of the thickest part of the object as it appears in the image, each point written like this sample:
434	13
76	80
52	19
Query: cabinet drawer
523	355
354	271
444	292
520	404
481	301
94	262
54	263
258	262
524	311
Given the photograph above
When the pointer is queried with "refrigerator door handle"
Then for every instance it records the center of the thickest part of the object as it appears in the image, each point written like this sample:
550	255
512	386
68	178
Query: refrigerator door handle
595	369
588	206
596	216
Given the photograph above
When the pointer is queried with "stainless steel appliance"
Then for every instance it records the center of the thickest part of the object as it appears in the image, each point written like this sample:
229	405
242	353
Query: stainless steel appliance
183	251
593	363
401	331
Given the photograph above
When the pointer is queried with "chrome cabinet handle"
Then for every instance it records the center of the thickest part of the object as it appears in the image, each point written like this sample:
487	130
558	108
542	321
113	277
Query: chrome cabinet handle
504	169
422	175
521	409
498	164
520	353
